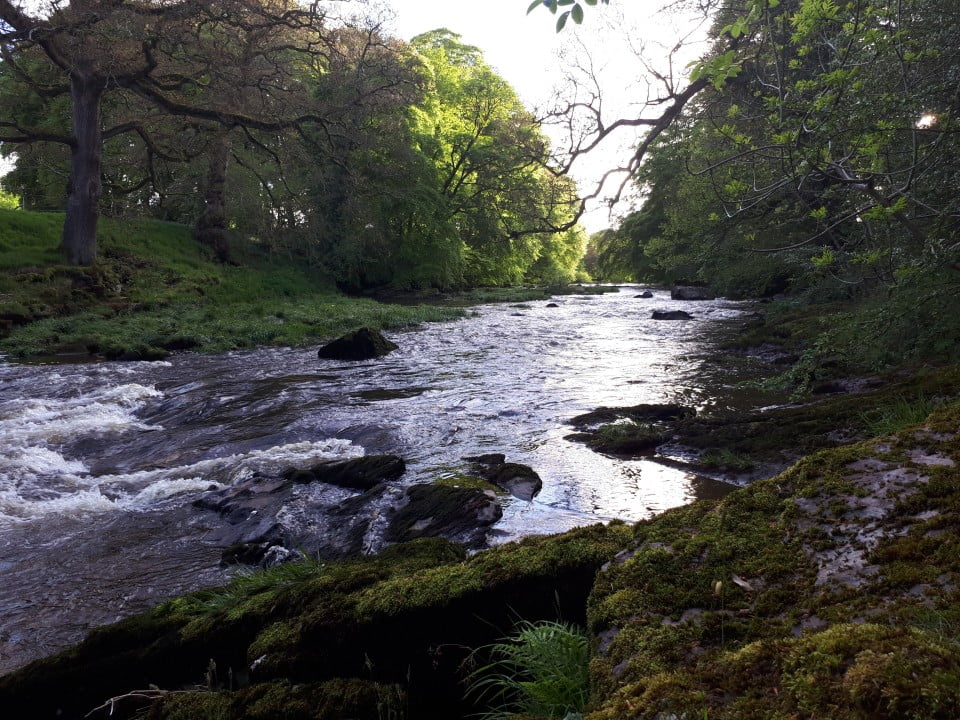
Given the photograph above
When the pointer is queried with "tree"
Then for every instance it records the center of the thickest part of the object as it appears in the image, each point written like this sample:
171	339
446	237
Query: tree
220	63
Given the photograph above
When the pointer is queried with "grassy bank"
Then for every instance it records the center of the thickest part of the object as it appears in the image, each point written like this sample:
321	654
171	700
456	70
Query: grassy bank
156	290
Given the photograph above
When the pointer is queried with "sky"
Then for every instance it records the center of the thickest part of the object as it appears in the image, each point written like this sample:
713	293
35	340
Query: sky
524	50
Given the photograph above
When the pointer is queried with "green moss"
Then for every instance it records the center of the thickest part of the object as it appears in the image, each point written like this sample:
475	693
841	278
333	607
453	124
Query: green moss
469	482
331	700
702	616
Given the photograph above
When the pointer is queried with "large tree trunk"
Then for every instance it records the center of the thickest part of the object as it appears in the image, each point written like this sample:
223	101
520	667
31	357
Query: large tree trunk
83	194
211	226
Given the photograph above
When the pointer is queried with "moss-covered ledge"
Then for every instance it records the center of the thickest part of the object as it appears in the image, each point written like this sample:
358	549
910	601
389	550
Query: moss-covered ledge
405	618
829	591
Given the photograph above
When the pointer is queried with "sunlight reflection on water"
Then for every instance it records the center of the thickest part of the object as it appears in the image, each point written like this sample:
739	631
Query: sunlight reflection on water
121	450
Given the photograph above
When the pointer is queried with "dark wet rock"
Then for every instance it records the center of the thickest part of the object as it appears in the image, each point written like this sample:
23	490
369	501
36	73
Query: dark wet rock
552	305
391	393
409	617
691	292
518	480
362	344
828	388
360	473
135	353
331	523
639	413
488	459
671	315
521	481
460	514
645	295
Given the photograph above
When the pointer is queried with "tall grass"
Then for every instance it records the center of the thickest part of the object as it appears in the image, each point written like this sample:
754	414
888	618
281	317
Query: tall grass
898	413
540	671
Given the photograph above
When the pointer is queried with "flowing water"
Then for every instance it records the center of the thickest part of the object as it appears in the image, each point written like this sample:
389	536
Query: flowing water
100	462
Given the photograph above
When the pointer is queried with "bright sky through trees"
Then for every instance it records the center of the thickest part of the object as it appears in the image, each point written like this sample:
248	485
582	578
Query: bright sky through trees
524	49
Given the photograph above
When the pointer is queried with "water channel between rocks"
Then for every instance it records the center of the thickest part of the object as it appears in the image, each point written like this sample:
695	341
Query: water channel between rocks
101	462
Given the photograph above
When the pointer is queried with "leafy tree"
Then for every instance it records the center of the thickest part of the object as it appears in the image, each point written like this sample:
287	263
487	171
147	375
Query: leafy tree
181	57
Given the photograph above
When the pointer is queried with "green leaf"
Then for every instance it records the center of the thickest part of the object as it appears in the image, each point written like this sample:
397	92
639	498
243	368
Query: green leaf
591	3
562	20
577	14
565	2
534	4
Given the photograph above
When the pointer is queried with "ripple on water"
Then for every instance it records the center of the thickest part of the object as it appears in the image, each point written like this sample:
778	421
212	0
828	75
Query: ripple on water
101	461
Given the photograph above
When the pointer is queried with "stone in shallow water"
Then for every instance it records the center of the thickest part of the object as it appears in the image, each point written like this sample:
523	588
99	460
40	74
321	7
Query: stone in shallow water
671	315
521	481
362	344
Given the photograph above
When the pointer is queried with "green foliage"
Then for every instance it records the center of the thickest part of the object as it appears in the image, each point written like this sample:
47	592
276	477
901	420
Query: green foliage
8	201
248	582
575	12
540	671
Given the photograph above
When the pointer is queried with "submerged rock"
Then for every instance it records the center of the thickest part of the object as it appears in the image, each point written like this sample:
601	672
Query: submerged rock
362	473
691	292
645	295
671	315
362	344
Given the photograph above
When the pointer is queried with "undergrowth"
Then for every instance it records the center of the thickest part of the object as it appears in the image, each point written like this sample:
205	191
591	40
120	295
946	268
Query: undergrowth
541	670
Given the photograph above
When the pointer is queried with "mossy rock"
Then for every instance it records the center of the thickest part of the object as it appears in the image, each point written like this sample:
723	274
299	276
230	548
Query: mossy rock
408	617
630	438
828	591
330	700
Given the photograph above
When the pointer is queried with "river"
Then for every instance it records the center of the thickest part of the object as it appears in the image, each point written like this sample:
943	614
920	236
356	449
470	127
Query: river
101	461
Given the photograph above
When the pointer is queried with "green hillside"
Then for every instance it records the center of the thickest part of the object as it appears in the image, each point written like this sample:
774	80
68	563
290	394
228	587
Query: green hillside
156	290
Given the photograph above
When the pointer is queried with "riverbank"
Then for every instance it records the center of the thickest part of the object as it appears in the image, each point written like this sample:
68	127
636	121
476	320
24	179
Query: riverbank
156	290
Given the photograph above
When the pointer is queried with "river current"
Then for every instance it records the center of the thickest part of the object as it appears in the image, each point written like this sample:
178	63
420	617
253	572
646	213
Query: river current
100	462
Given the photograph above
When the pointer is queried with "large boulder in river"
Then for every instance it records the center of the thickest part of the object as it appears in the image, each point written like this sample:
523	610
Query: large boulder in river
691	292
362	344
671	315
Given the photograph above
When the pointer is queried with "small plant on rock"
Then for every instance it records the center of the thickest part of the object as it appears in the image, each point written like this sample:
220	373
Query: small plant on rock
540	671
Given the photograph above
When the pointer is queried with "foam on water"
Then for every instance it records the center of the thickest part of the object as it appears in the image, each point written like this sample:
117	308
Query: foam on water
79	494
37	478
